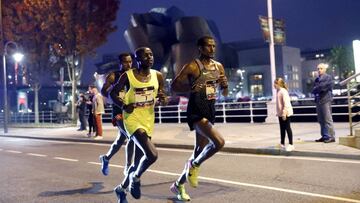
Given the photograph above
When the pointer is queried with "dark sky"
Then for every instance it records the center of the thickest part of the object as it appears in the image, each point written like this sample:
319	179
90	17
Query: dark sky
310	24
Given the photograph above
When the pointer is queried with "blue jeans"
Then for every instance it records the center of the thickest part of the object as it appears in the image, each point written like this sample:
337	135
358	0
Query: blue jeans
325	120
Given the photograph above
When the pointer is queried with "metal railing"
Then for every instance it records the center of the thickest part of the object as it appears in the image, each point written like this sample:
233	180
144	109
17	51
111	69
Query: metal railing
224	111
251	111
29	117
255	111
352	94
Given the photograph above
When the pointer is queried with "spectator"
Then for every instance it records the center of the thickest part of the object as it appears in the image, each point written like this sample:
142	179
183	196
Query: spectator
322	91
284	111
98	110
91	121
81	109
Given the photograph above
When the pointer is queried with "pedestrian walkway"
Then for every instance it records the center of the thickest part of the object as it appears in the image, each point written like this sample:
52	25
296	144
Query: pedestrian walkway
256	138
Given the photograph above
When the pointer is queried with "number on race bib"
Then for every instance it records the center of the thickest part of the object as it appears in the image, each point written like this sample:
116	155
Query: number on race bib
144	96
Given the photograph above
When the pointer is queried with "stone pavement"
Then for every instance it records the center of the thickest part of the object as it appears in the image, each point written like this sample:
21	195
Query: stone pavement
256	138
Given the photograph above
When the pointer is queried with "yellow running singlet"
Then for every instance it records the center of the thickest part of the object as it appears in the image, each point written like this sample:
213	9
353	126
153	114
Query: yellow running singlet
143	95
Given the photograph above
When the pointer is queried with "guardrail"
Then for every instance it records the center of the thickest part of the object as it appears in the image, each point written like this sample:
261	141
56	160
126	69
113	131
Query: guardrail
29	117
256	111
352	86
252	111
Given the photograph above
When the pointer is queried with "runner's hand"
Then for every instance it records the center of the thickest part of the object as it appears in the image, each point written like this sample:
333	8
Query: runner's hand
129	108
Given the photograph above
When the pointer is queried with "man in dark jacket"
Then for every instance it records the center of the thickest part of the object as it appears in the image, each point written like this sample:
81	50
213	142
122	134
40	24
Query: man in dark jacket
81	108
322	91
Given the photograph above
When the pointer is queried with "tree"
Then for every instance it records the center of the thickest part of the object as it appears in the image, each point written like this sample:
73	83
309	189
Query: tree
24	28
74	28
341	58
84	26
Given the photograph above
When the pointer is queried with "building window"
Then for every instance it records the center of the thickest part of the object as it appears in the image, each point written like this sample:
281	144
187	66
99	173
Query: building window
256	85
313	74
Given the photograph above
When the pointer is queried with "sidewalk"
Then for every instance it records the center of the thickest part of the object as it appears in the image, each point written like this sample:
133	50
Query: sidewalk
256	138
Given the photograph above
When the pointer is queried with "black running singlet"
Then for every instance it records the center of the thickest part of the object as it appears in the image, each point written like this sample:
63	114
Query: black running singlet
203	95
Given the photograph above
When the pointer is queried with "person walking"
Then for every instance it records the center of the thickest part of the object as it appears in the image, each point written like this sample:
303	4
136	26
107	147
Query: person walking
201	78
117	117
322	91
283	111
98	110
142	86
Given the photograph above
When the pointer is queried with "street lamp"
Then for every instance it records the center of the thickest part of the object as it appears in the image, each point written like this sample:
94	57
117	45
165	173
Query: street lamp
17	57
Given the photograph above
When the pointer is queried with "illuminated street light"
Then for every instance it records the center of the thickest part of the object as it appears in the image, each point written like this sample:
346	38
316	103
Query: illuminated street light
356	47
17	57
165	69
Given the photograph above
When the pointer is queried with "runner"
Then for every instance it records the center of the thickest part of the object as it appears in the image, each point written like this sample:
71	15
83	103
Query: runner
200	77
117	118
142	86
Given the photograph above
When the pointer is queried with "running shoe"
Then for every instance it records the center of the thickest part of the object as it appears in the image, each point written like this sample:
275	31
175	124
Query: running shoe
135	186
179	191
192	174
120	194
104	165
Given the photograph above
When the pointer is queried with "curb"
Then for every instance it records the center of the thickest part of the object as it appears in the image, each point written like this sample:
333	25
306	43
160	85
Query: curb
260	151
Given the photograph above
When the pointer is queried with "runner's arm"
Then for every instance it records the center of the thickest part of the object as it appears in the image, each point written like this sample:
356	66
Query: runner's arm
181	82
106	88
161	92
223	81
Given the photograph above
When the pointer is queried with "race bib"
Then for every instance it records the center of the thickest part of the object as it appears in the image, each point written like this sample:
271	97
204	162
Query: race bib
144	96
211	90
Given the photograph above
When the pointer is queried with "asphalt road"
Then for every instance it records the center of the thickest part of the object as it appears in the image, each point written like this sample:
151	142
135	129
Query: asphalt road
54	171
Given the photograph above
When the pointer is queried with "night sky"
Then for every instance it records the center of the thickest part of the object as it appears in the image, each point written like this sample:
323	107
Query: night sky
310	24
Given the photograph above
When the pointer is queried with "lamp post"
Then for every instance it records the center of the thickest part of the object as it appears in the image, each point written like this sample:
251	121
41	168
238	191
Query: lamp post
271	48
17	57
271	118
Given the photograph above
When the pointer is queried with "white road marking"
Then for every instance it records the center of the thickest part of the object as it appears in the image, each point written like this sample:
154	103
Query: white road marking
34	154
113	165
66	159
13	151
270	156
248	185
334	160
228	181
282	190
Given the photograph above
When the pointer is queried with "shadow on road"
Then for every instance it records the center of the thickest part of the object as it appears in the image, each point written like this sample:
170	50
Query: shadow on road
94	188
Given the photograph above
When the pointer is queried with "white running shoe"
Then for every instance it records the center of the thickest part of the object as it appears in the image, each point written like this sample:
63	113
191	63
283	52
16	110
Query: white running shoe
290	148
98	138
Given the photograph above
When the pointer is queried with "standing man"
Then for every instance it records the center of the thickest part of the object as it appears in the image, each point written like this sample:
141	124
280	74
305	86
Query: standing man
98	110
117	117
322	91
200	78
81	108
91	117
142	86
